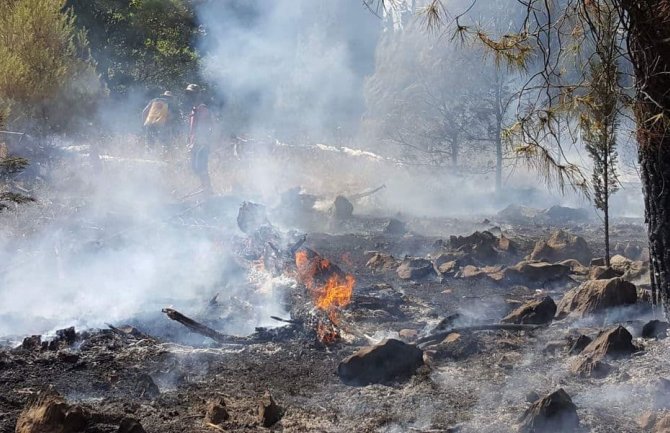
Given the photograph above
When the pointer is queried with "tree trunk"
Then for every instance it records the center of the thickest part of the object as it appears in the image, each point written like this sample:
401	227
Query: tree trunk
650	53
498	132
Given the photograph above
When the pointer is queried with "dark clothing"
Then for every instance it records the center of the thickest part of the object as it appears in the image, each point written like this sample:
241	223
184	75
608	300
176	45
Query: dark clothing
199	140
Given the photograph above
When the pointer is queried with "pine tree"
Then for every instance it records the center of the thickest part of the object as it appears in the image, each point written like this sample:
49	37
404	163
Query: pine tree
599	120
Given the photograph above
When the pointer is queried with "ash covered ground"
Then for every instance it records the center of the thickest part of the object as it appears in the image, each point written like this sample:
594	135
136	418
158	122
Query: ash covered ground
470	323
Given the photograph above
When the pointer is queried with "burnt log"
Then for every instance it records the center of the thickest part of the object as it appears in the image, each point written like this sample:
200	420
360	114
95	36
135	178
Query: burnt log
201	329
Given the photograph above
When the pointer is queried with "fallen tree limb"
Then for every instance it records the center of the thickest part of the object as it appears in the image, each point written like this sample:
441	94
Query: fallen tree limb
201	329
364	194
492	327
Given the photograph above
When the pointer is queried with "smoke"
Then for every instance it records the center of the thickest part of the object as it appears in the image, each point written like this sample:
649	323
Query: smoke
294	68
120	249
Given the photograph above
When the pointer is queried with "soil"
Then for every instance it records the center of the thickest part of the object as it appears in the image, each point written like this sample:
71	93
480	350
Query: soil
113	374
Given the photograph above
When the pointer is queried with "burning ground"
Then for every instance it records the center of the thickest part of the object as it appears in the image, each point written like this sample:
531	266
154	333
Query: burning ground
469	325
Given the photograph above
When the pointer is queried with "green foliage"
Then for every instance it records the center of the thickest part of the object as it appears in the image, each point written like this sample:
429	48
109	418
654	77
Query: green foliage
141	43
47	81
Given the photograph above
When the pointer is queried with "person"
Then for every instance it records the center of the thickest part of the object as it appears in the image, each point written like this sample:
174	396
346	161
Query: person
199	136
159	119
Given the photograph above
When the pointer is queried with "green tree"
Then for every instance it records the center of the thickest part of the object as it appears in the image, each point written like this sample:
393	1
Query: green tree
47	81
149	44
599	119
553	31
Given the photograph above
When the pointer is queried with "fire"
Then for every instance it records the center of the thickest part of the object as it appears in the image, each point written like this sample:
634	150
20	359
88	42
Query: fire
335	292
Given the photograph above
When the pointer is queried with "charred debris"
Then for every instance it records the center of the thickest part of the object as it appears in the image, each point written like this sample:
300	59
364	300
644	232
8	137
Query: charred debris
494	304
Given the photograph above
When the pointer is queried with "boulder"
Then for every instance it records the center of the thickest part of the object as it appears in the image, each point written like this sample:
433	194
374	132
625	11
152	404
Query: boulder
597	261
381	262
655	329
554	413
481	246
414	268
579	344
560	246
615	342
32	343
391	359
612	343
538	272
602	273
536	312
216	412
48	412
342	208
629	269
269	412
575	267
662	425
563	215
516	214
595	296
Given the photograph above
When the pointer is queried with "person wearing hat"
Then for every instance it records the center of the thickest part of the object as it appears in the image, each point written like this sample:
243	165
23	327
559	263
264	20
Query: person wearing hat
159	120
199	136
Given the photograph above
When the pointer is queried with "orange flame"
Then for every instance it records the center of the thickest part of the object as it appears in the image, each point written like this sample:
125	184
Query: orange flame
335	293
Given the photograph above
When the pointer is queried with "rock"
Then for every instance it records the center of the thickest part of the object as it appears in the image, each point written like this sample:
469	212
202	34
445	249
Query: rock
408	334
590	367
554	413
130	425
516	214
48	412
414	268
629	269
269	412
391	359
541	272
595	296
613	343
447	268
575	267
342	208
603	273
506	244
562	245
394	227
481	246
67	335
563	214
380	262
662	425
579	345
32	343
655	329
598	261
216	412
647	420
457	347
251	217
537	312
